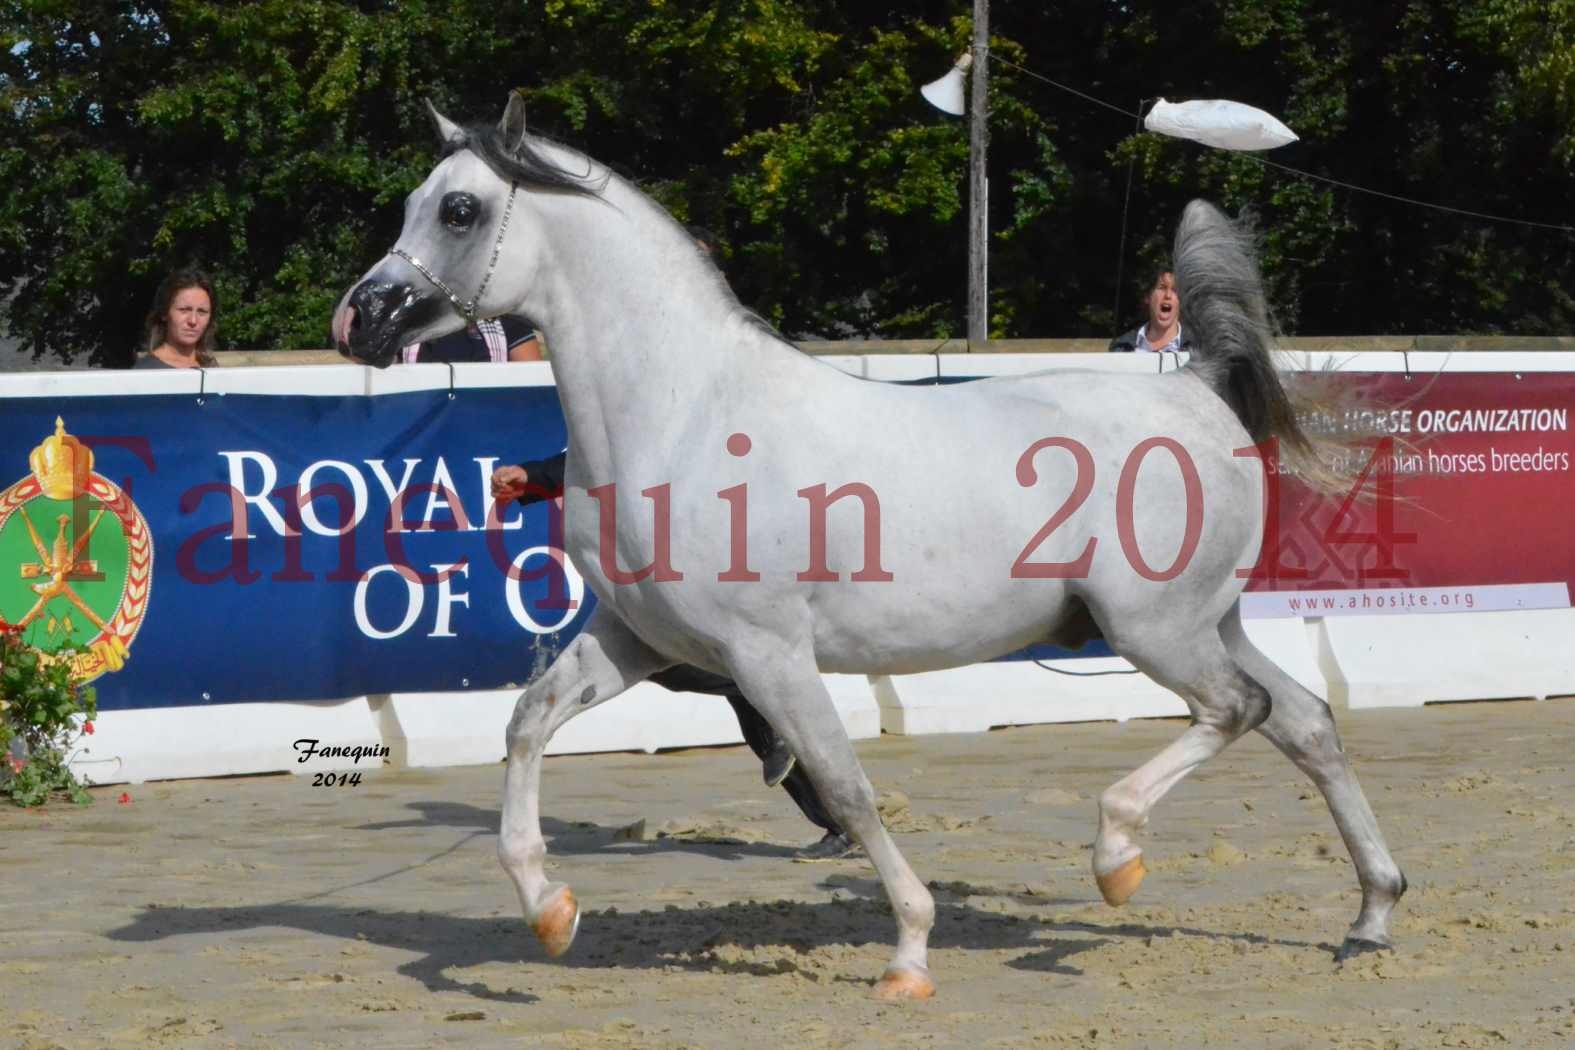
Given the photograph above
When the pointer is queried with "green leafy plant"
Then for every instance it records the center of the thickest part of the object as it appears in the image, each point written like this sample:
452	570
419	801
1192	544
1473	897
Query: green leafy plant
43	712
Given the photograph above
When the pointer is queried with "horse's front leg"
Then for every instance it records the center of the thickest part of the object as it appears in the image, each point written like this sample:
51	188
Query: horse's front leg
603	660
787	688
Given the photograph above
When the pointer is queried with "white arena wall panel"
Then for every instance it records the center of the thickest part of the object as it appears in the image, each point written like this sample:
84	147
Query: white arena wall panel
217	740
1356	662
1411	660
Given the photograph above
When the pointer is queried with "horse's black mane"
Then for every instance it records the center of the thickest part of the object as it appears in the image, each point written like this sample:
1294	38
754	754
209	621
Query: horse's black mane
528	165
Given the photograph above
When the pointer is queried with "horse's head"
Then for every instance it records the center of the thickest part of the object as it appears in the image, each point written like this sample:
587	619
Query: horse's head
465	252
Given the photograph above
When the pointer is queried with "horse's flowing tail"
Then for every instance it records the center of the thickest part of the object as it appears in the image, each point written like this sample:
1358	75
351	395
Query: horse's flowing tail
1224	308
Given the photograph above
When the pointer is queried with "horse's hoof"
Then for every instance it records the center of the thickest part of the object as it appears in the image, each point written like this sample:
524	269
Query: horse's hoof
557	923
897	984
1355	946
1118	886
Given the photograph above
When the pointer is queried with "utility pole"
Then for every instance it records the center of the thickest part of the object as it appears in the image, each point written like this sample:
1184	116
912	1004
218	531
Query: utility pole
978	184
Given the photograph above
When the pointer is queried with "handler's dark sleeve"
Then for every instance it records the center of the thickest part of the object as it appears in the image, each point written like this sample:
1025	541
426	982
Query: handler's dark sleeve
543	478
517	330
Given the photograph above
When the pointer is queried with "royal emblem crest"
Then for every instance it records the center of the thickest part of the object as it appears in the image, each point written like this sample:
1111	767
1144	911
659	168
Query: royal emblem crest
76	558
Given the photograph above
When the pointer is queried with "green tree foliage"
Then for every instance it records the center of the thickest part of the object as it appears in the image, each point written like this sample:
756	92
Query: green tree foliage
269	142
273	142
1454	102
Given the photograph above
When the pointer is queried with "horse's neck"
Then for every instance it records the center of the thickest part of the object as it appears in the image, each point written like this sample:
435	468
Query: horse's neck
643	337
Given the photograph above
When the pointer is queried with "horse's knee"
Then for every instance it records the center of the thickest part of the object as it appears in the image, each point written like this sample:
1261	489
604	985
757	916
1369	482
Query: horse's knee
857	791
850	799
529	719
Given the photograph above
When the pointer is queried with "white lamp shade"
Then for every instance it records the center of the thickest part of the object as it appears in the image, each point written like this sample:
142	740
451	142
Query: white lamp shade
1218	122
947	94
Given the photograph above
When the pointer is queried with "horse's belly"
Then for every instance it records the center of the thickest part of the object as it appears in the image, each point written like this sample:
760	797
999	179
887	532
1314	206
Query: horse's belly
908	644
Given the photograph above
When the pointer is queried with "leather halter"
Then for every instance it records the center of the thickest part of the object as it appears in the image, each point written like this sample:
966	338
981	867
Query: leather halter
467	308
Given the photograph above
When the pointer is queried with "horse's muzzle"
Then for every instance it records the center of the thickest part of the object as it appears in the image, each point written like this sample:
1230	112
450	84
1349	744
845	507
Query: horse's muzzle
370	324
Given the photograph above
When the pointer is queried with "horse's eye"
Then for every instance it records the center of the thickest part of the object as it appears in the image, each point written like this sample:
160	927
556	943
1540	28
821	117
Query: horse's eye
460	210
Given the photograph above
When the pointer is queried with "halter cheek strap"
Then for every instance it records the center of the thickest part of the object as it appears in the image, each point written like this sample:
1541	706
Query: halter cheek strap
467	308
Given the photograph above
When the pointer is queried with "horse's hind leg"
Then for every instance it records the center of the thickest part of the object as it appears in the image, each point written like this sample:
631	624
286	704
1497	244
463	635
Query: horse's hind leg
787	689
1225	703
602	661
1302	727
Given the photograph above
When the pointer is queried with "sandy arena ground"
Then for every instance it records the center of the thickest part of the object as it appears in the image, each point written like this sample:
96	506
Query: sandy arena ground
264	912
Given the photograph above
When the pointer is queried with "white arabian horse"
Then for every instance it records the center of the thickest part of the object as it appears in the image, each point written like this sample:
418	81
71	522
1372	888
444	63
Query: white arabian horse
737	505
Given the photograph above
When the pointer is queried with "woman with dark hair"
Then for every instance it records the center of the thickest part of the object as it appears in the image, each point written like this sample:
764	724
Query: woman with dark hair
179	330
1162	331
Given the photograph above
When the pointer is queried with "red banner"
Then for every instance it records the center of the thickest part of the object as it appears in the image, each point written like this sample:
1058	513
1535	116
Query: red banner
1471	504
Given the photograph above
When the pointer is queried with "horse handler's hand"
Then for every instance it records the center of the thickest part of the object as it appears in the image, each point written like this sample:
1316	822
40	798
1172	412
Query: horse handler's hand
508	483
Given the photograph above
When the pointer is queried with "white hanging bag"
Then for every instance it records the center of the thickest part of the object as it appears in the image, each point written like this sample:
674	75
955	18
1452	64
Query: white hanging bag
1218	122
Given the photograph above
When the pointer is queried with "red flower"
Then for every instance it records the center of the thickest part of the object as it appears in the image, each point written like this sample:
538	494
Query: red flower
17	764
124	798
87	727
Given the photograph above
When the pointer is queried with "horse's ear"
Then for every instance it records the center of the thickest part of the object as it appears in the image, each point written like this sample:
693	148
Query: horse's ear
447	130
512	126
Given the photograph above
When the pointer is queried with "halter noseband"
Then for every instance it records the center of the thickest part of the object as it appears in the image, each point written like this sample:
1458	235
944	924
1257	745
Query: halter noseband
467	308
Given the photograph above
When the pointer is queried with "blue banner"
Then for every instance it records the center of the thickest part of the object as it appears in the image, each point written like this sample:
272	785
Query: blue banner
313	598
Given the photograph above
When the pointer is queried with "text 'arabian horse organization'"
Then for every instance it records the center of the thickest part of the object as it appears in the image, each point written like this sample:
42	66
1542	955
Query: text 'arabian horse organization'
980	549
